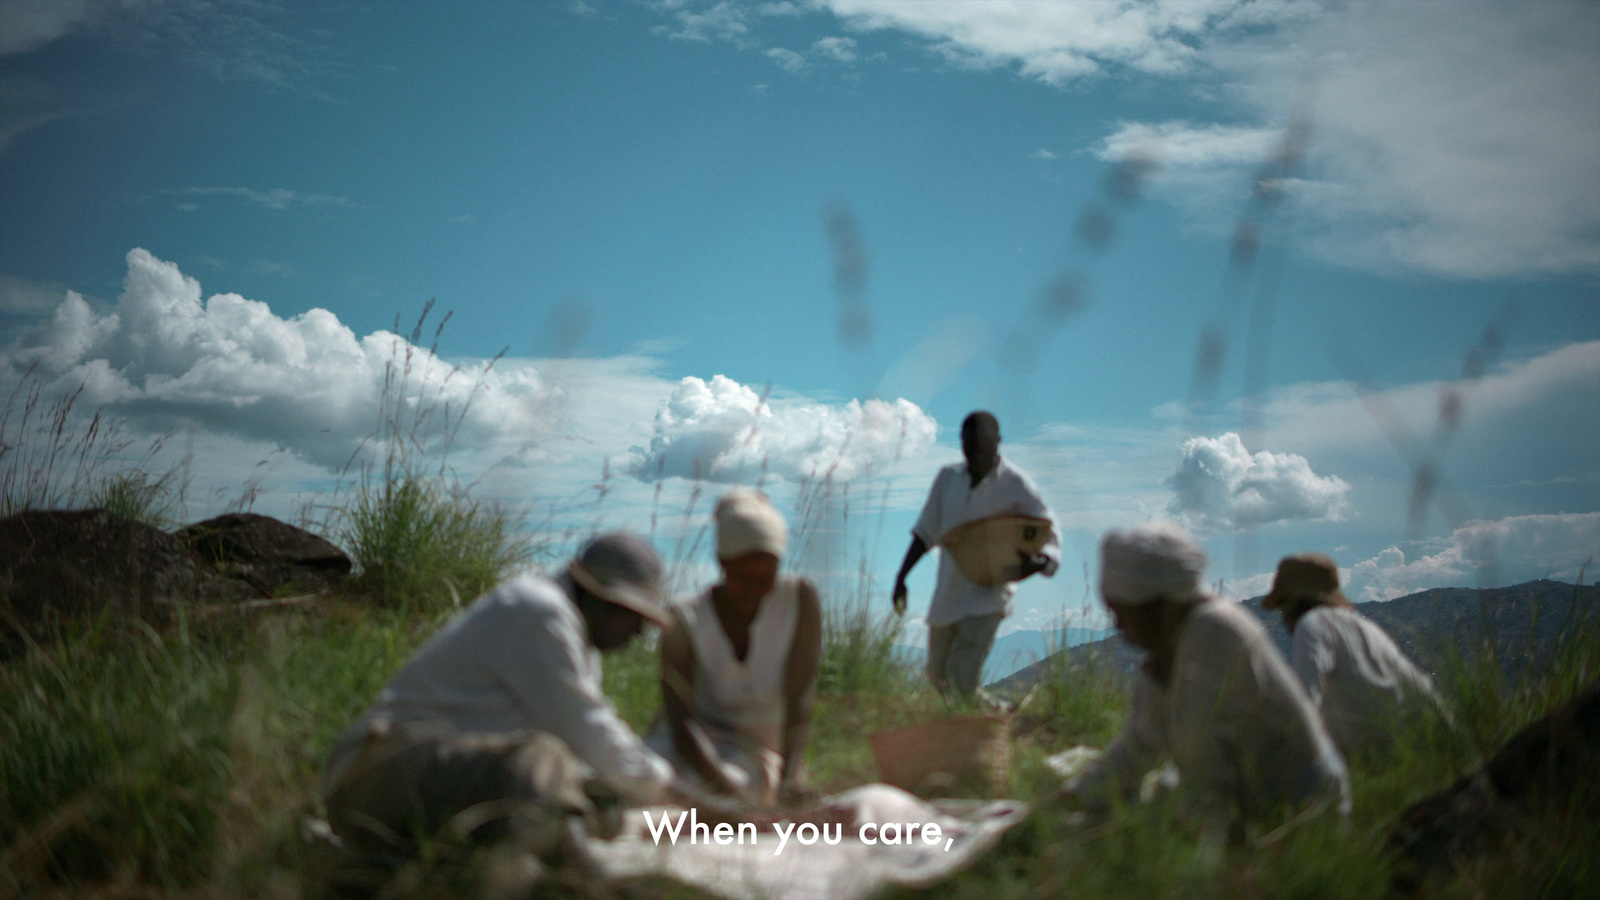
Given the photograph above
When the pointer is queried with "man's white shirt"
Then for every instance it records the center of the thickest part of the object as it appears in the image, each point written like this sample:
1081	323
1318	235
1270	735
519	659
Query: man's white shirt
1358	678
953	501
519	660
1234	719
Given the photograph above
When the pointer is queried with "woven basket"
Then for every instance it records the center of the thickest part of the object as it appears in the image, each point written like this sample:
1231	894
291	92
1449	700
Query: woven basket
945	755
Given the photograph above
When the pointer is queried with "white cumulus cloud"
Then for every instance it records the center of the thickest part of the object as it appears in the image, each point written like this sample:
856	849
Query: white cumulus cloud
789	60
721	430
1220	486
1059	42
164	356
1184	145
841	49
1485	554
1449	138
723	21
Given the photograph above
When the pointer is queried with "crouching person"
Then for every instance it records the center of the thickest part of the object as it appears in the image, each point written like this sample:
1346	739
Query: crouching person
497	727
739	665
1353	672
1214	696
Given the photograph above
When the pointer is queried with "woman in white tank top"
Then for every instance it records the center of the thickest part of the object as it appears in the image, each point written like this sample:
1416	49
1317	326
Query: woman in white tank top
739	663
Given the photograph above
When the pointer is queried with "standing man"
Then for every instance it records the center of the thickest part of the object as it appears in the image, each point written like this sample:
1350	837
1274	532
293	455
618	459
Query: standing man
963	616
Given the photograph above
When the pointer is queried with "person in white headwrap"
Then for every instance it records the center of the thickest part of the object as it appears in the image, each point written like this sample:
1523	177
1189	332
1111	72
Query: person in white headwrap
1214	695
1355	675
739	664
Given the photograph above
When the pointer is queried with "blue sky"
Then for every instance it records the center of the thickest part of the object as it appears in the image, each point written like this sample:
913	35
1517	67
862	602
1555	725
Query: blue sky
877	216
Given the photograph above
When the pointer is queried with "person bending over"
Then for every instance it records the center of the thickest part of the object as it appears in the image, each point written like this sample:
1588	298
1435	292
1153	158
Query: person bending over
1214	696
499	719
1355	675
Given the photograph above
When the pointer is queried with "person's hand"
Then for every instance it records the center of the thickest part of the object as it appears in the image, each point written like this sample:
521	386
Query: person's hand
899	596
794	794
711	808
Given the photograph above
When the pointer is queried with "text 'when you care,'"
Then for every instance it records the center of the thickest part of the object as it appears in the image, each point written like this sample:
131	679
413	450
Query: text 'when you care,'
687	825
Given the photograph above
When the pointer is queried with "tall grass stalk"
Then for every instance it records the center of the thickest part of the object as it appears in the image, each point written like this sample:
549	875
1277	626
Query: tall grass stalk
858	651
139	496
55	456
169	762
1079	701
416	536
421	543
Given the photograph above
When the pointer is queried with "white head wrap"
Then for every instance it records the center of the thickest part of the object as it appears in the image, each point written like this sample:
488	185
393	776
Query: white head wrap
747	523
1149	562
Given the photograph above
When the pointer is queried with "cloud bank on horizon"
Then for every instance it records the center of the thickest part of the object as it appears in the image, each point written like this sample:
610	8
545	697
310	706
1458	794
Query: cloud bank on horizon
1485	553
164	356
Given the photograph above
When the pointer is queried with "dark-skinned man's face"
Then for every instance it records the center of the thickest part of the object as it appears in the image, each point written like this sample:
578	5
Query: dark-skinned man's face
1140	623
981	447
748	578
611	627
1151	625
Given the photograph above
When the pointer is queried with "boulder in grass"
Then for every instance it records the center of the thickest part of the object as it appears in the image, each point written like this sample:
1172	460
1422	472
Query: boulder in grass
58	566
271	556
1547	767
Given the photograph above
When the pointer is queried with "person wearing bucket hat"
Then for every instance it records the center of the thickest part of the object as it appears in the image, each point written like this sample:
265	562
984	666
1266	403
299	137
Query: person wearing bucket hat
739	664
1353	671
1214	695
500	719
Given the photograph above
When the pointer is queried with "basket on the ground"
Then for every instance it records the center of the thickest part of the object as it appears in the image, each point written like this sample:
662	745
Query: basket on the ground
944	755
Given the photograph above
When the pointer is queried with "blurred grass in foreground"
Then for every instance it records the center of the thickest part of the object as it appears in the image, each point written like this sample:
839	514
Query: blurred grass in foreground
139	764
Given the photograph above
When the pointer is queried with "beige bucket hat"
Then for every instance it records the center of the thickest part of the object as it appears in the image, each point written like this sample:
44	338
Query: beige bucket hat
1309	577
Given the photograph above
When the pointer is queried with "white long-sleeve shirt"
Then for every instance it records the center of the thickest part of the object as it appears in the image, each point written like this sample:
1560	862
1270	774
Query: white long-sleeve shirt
953	501
1357	677
1233	718
517	660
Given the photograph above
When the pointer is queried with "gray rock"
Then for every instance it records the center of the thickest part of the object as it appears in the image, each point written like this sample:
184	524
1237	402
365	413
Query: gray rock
1547	766
58	566
271	556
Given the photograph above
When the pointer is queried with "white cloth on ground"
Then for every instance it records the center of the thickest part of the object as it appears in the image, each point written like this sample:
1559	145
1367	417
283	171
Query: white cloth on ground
953	501
517	660
1357	677
1234	719
740	703
840	866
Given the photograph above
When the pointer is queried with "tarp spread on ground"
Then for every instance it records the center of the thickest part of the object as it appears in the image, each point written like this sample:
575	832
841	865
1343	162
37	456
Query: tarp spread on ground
855	844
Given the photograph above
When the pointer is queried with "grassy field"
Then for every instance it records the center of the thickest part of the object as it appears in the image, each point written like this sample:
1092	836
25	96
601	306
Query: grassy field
185	762
181	764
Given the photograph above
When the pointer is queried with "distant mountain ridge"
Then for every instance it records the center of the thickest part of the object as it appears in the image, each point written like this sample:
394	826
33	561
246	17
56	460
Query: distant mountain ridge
1013	651
1521	624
